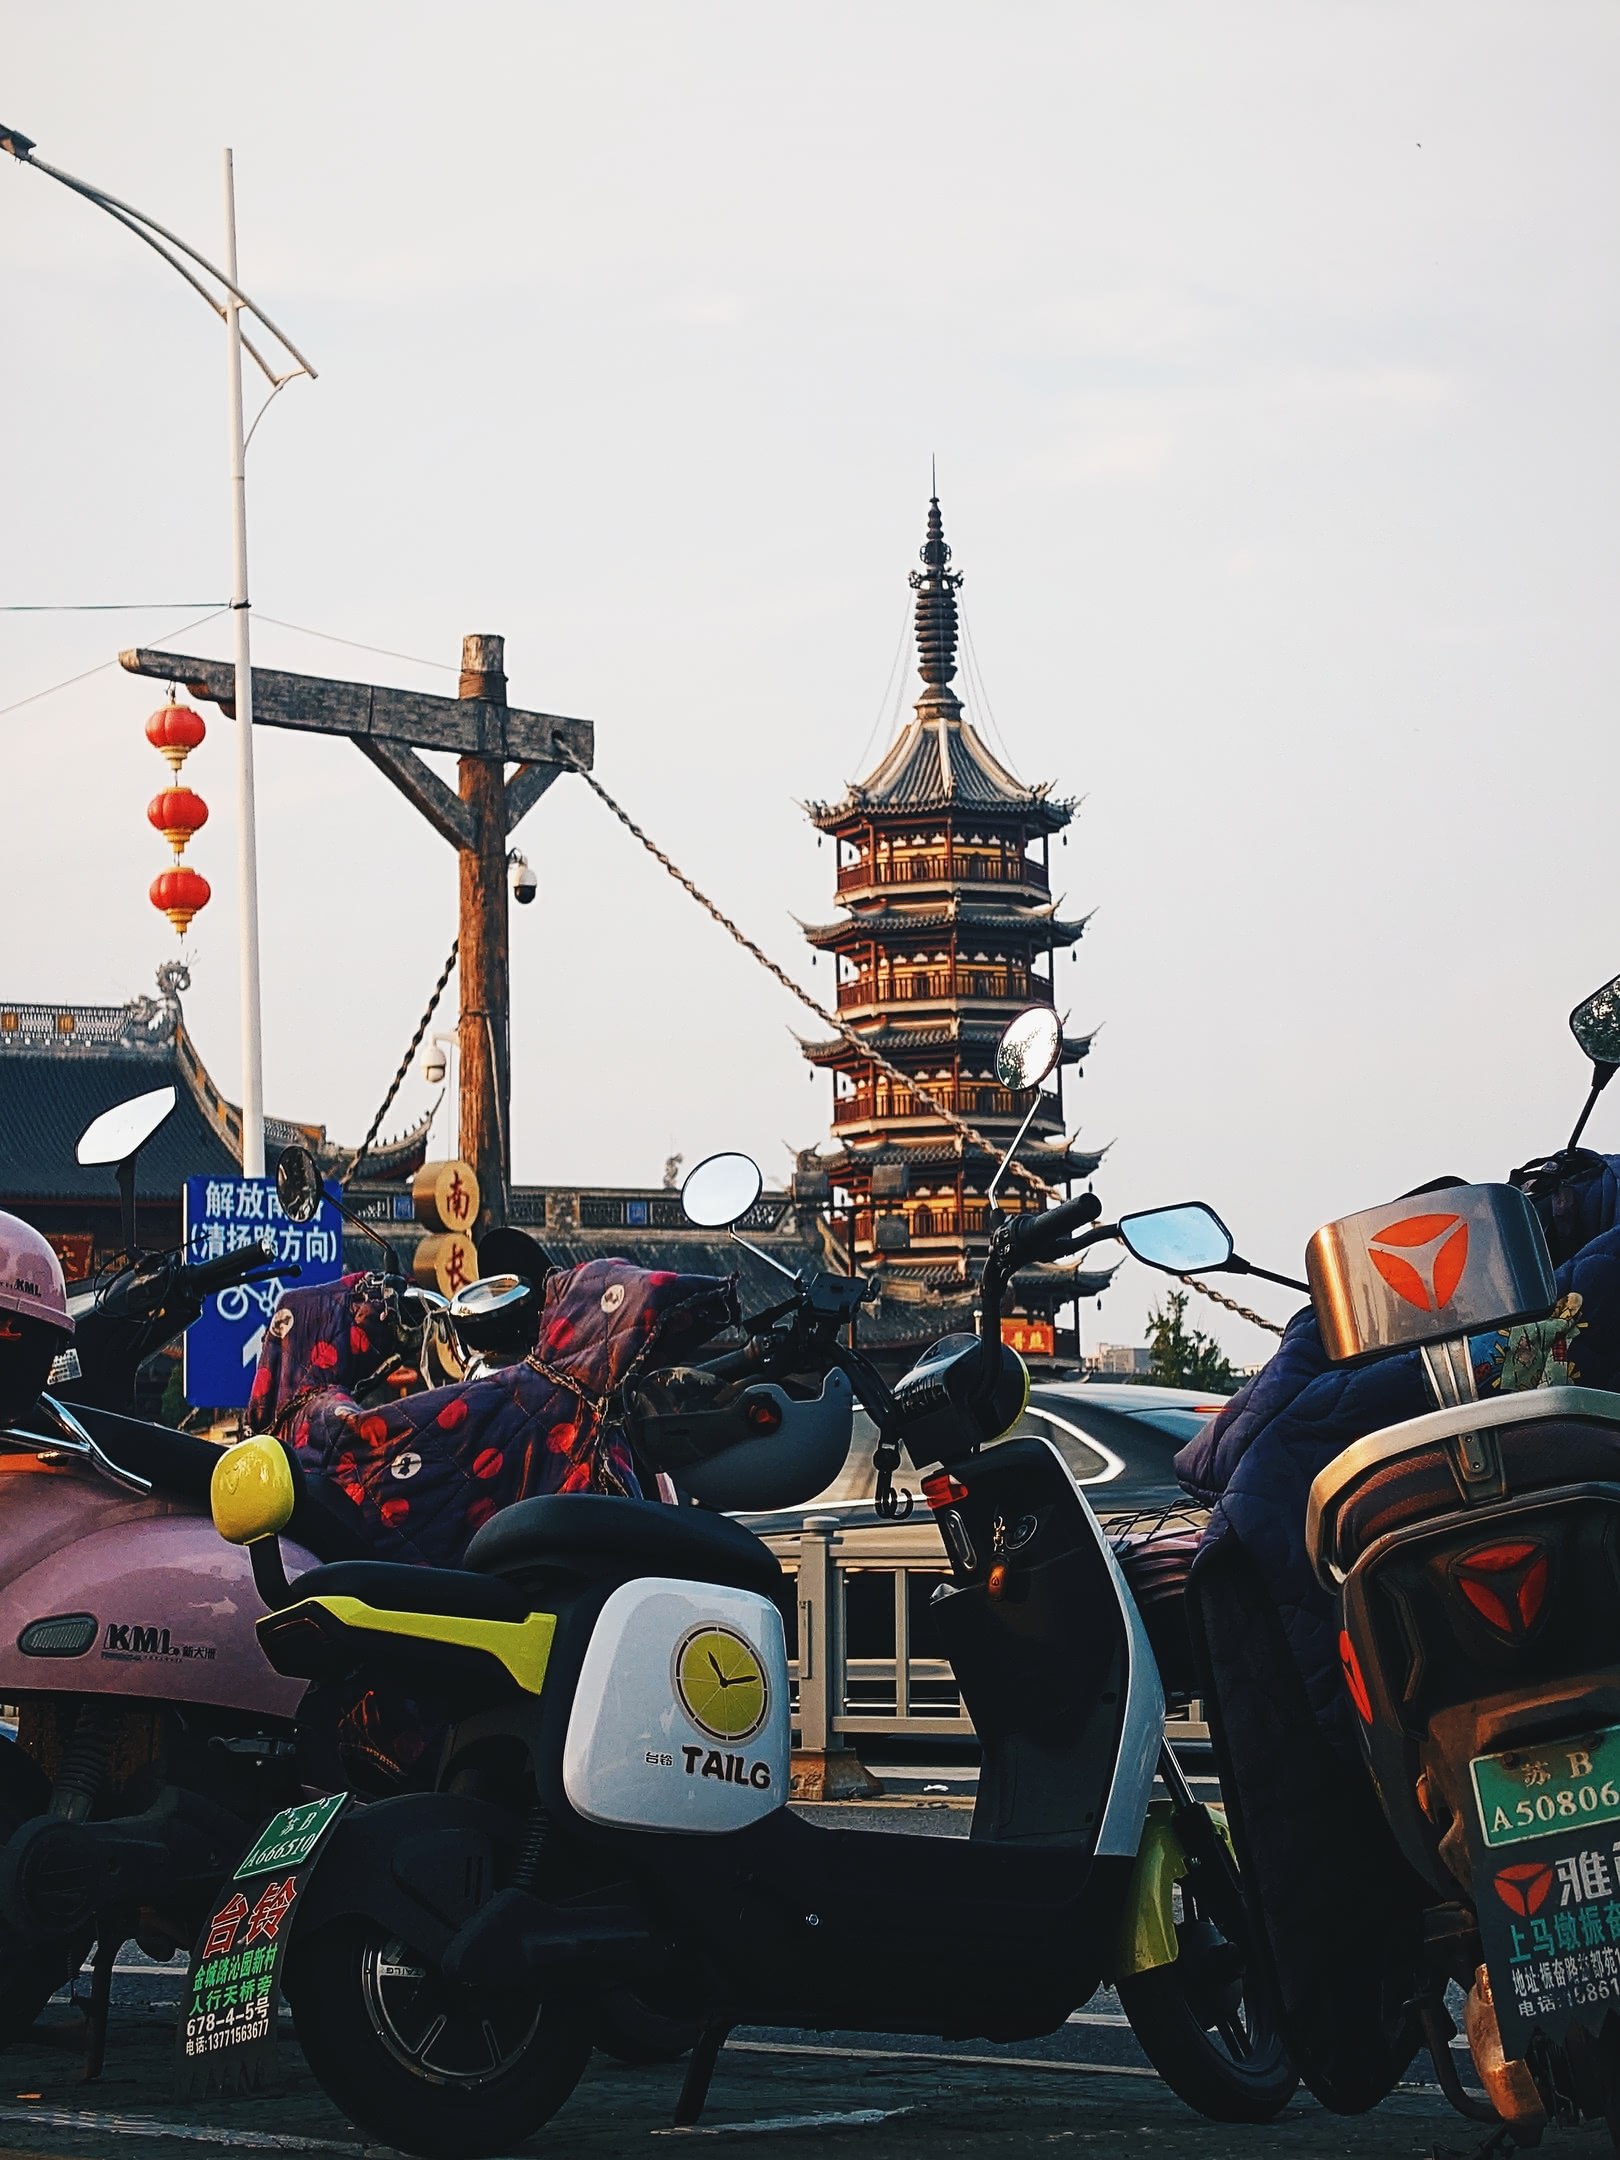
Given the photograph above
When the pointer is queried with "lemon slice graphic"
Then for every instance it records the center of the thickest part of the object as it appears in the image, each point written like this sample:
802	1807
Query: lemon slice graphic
721	1683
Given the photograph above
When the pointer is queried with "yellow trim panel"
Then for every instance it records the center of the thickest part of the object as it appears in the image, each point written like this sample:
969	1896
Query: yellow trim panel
522	1646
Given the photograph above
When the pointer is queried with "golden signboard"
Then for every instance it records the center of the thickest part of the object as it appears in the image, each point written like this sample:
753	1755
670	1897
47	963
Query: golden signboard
444	1196
446	1263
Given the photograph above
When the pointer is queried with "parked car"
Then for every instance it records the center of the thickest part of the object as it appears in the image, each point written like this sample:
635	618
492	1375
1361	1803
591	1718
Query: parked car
1119	1440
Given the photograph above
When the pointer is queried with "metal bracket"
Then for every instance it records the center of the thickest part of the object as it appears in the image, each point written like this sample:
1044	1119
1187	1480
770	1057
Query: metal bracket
1475	1457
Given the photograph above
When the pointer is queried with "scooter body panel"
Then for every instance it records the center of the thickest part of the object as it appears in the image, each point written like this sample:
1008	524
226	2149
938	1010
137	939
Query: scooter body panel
174	1606
679	1719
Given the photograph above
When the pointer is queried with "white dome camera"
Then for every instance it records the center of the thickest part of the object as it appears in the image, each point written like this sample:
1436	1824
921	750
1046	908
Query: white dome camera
524	882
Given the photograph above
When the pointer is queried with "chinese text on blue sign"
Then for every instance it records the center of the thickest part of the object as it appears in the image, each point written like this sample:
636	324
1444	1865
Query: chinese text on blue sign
226	1215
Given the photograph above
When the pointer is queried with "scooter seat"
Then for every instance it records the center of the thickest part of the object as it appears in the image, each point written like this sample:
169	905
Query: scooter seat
393	1586
1412	1488
596	1535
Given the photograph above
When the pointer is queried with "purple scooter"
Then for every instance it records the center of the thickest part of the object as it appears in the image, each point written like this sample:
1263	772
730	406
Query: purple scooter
152	1736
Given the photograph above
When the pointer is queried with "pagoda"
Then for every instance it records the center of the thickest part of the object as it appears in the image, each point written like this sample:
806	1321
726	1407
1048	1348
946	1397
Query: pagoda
947	929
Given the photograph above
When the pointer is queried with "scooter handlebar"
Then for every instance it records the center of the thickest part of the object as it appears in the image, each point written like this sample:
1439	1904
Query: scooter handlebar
232	1267
1038	1237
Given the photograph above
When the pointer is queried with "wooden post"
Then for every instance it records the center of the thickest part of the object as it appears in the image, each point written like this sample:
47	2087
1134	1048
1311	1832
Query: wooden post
486	1082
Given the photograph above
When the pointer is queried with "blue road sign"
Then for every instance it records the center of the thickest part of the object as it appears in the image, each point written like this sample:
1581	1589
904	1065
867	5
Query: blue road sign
223	1215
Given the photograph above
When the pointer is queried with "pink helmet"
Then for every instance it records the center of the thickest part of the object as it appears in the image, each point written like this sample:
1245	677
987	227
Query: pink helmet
31	1279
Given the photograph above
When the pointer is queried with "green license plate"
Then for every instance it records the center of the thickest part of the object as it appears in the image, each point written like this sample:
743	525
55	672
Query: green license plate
1535	1792
288	1840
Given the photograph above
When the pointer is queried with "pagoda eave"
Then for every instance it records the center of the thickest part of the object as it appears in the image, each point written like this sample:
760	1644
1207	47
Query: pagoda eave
886	922
897	1042
1043	813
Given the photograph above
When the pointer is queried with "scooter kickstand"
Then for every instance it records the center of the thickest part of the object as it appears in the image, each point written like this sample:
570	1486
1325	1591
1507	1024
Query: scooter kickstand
699	2070
101	1980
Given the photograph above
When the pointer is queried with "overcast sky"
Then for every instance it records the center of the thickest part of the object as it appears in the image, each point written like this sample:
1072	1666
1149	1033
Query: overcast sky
1269	354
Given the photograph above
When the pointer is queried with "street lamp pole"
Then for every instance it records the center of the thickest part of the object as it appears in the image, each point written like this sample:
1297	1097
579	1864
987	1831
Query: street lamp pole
248	856
228	304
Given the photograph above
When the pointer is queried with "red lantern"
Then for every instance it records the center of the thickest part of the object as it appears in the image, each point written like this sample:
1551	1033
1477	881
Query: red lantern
179	894
175	730
177	813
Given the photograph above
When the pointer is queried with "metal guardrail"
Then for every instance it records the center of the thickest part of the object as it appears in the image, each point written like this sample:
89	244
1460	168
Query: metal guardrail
861	1664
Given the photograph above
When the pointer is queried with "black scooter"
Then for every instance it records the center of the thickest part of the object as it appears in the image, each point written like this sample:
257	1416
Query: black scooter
611	1807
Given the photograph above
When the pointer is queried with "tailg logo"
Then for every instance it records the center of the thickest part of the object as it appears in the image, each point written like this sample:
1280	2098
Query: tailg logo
721	1683
1422	1258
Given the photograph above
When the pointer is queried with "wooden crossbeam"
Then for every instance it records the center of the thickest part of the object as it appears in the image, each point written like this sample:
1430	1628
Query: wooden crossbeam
391	728
372	712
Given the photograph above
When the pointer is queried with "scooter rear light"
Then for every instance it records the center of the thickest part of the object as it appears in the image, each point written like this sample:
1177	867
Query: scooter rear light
1506	1584
1354	1679
943	1490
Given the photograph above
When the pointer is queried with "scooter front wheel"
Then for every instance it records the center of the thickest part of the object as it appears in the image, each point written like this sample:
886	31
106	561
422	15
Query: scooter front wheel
1206	2025
432	2067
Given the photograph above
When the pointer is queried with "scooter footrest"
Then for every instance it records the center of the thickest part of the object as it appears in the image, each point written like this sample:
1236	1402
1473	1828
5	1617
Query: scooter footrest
518	1938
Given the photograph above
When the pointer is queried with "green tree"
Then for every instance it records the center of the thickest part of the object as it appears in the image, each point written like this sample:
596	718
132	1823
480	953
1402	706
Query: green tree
1185	1357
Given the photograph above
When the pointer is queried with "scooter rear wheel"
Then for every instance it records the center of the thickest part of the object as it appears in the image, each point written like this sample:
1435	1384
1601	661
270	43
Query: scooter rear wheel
1206	2026
434	2068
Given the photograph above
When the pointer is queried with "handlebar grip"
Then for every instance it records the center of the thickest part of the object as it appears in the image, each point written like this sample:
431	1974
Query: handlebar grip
1072	1215
1050	1231
211	1275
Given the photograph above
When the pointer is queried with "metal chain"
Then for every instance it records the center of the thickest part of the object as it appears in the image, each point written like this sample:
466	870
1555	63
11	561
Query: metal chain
1231	1305
851	1035
404	1067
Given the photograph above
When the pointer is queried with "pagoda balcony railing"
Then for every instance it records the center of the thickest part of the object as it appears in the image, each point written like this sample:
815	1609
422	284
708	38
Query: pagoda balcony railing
933	1220
973	1099
944	869
942	984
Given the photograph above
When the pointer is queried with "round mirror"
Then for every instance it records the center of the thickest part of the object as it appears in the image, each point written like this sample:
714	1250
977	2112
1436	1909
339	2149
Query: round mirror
118	1132
1029	1049
298	1184
489	1294
720	1191
1180	1240
1595	1024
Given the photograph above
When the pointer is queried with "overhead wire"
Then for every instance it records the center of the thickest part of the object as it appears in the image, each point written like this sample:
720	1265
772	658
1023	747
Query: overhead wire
101	666
356	644
888	685
104	607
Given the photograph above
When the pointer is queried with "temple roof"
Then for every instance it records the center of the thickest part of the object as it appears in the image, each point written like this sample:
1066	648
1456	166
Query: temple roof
939	761
62	1065
956	914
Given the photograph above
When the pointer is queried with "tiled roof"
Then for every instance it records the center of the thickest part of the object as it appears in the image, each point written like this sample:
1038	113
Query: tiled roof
896	1041
957	914
938	762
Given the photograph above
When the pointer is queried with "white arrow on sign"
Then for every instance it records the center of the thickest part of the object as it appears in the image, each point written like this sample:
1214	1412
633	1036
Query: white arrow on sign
252	1347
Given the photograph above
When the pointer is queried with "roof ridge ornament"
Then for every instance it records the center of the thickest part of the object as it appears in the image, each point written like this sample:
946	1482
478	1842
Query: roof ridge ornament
936	587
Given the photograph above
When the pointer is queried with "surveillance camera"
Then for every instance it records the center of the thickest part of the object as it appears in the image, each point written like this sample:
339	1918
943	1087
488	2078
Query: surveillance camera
524	882
433	1068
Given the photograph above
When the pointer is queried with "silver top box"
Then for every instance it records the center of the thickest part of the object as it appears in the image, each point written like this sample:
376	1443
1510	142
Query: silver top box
1461	1261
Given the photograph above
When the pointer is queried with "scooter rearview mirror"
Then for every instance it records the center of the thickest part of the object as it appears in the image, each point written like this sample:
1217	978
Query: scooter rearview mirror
118	1132
118	1136
720	1191
300	1188
298	1184
1595	1025
1029	1048
1178	1239
1191	1240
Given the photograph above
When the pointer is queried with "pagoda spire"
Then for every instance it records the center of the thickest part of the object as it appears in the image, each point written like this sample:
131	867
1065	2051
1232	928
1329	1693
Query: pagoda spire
935	585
